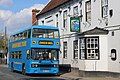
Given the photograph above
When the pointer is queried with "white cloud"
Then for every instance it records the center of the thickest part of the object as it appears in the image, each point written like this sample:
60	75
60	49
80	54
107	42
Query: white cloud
19	20
4	16
6	2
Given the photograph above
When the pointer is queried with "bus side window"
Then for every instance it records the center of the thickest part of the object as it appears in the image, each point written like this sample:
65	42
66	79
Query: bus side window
29	33
56	34
51	33
24	35
20	36
12	55
28	54
20	54
13	38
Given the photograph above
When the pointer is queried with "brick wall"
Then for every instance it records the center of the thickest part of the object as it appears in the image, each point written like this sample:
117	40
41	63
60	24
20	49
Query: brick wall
34	19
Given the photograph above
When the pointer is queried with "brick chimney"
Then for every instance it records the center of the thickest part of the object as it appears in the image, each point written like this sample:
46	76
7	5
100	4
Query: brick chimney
34	19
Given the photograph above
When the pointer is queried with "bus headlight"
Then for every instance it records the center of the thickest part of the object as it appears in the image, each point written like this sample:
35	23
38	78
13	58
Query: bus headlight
57	43
56	65
34	65
34	42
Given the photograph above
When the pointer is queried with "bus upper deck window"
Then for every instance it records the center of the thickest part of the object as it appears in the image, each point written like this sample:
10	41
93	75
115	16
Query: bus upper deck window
16	37
11	38
37	33
20	36
29	33
24	35
50	33
56	34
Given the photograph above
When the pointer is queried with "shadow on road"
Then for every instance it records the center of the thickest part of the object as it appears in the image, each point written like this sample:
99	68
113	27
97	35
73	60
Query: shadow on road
41	79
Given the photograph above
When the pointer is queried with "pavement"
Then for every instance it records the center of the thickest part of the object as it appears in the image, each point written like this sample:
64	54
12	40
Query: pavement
3	65
75	76
71	76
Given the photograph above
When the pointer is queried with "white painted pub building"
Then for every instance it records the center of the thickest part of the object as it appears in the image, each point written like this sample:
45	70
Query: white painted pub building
89	31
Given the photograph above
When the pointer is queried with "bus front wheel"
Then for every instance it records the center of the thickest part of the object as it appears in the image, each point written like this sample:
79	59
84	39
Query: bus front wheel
23	69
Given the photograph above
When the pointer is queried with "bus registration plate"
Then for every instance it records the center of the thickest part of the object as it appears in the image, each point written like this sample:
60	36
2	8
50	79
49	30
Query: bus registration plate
45	70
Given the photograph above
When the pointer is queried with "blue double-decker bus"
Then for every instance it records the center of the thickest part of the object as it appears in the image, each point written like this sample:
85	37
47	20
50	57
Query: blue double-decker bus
35	50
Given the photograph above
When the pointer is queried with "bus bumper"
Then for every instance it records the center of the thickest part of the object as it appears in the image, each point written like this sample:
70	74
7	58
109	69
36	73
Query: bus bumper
42	71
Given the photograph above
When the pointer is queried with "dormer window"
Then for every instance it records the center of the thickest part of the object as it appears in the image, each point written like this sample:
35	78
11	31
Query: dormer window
104	8
75	10
88	11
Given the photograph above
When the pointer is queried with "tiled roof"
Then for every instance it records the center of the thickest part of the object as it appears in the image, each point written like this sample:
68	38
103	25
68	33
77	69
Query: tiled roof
95	31
51	5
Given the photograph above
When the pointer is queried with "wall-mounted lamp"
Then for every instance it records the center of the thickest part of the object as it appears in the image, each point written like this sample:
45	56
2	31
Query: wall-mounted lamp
94	0
60	10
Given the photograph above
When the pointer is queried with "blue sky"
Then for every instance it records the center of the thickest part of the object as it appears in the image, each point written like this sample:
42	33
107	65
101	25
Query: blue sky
17	5
16	14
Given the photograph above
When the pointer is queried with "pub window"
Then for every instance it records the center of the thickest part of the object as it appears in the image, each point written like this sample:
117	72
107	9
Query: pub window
89	48
64	49
75	10
65	19
104	8
57	20
81	15
88	11
113	54
42	22
75	49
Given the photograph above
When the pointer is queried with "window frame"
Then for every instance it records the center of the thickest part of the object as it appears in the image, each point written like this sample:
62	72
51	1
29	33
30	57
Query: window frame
65	49
21	35
113	54
65	18
57	20
104	5
91	49
45	33
16	55
87	10
75	49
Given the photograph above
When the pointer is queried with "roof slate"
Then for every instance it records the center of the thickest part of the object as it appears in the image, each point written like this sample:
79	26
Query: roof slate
51	5
95	31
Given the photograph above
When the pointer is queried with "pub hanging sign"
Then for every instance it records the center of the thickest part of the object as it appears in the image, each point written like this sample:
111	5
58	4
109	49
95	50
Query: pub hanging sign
75	24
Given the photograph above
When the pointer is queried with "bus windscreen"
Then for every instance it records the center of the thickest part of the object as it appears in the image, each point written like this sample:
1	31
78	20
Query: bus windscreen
44	54
44	33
